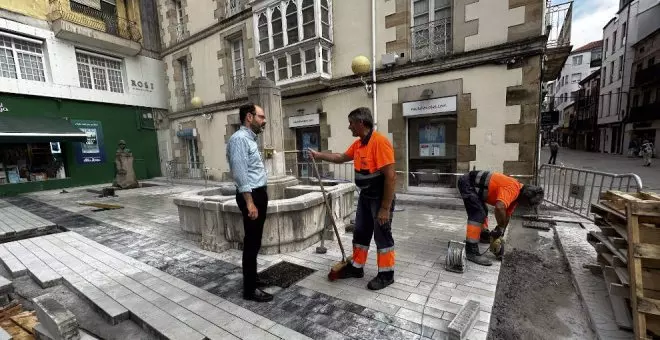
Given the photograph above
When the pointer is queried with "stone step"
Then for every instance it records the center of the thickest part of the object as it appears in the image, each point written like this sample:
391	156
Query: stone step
120	287
13	265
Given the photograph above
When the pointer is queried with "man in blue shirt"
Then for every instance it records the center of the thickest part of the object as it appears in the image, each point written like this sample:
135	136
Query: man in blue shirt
250	177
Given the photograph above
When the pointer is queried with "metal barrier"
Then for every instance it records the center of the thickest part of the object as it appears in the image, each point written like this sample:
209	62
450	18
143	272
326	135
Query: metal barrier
337	172
576	189
184	170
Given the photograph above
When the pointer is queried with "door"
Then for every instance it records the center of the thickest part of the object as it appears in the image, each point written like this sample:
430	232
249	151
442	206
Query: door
307	138
432	151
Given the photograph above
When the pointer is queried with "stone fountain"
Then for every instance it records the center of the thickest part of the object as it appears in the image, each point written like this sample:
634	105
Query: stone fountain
296	216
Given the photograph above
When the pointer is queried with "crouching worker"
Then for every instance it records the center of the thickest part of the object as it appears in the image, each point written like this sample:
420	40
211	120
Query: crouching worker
479	188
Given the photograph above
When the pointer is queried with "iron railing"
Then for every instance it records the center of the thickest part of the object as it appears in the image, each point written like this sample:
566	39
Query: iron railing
328	171
94	19
558	19
432	39
238	86
187	171
576	189
234	7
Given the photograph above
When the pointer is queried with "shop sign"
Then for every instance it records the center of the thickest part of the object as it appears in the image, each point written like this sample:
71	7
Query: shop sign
305	120
142	85
91	151
3	108
430	106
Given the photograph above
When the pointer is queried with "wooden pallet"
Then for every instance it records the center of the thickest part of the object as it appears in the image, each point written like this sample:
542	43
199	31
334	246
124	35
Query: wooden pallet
628	248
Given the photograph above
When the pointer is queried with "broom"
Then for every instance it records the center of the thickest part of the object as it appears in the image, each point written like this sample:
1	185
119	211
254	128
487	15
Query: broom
334	270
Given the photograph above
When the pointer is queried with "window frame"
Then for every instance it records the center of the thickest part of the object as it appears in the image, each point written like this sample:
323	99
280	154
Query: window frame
241	56
577	57
17	68
107	59
179	12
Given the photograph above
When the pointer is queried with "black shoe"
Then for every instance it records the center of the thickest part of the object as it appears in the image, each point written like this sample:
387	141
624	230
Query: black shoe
349	271
474	255
258	295
484	237
381	281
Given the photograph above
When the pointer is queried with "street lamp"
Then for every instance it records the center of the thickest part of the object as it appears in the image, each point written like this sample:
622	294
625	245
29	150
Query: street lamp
361	66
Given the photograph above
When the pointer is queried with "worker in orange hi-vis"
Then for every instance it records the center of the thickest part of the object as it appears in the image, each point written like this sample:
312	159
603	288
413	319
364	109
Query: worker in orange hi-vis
373	158
479	188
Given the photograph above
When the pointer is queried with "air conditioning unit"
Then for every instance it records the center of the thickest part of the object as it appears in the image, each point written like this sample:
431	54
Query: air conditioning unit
389	59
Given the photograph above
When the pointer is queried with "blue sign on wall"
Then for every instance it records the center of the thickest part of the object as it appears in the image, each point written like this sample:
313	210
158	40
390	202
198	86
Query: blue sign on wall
91	151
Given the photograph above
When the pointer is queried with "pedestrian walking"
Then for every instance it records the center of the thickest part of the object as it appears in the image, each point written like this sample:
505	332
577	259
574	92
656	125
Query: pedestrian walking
479	188
373	159
250	179
554	149
647	152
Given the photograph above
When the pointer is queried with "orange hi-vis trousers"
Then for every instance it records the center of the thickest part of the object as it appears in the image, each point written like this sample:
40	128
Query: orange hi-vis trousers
475	208
366	225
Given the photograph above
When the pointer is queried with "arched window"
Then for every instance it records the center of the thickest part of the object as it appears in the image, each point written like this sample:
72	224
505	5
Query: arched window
309	29
276	22
325	19
263	33
292	23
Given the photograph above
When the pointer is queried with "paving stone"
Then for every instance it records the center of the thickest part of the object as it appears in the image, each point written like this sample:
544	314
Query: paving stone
56	319
464	320
37	269
13	265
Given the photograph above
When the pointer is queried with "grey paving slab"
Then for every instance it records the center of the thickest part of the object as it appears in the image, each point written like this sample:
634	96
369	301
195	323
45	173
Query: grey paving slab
11	262
6	286
37	269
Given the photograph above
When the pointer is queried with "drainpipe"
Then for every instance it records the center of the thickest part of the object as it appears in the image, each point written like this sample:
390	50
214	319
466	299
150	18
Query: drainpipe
374	96
622	124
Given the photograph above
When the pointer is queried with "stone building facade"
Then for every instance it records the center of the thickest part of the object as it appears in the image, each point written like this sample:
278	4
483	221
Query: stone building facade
457	82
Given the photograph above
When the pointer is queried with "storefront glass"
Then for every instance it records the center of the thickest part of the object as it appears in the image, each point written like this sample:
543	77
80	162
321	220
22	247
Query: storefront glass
432	151
31	162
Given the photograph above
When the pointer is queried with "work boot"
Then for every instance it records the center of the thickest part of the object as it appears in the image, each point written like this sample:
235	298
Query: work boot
350	271
474	255
382	280
485	236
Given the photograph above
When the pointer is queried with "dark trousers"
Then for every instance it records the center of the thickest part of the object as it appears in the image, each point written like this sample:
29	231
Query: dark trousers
475	207
553	157
366	226
254	230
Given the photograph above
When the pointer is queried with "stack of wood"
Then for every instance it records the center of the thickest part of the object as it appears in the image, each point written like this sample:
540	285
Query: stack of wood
628	248
16	323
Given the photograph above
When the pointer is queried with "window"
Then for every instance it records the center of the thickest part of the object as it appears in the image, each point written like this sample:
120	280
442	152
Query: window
282	71
325	19
270	70
623	34
27	52
276	23
263	34
609	100
613	41
576	77
309	29
292	23
179	11
607	45
577	60
604	76
325	58
310	61
620	66
193	153
611	72
185	79
99	72
618	102
237	57
296	64
651	62
431	31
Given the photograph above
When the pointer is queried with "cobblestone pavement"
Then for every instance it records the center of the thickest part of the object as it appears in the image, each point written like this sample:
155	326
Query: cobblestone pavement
604	162
147	230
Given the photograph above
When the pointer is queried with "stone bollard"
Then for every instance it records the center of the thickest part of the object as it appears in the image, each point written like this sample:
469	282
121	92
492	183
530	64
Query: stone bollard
55	321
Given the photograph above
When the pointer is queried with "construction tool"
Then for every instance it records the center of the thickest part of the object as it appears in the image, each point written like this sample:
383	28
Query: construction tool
101	206
456	260
337	267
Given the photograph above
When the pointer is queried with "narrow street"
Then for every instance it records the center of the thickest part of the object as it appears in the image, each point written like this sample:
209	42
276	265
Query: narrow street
618	164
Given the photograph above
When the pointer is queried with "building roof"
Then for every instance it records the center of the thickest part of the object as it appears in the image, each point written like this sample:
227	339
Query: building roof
588	47
593	75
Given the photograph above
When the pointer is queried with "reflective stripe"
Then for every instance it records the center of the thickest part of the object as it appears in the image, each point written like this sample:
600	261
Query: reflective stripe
475	223
355	245
473	233
386	260
385	250
385	269
359	255
357	265
477	179
486	184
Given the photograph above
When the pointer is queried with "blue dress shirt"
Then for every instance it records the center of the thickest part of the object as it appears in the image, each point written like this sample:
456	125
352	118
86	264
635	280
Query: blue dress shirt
244	160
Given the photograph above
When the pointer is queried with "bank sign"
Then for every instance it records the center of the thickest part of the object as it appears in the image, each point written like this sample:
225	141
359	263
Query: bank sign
91	151
445	105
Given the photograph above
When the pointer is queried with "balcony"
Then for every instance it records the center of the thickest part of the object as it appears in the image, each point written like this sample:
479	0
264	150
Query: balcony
238	86
431	40
180	31
95	28
234	7
645	113
558	20
647	76
596	63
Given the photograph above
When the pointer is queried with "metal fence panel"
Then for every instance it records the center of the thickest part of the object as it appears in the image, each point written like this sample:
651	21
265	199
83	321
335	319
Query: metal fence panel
576	189
185	170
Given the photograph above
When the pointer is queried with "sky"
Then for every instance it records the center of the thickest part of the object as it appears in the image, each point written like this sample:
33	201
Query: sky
589	17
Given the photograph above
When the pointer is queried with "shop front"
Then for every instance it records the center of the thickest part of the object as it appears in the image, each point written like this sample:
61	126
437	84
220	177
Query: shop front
432	151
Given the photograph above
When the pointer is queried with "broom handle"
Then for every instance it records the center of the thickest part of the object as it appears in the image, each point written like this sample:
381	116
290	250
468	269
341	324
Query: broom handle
329	210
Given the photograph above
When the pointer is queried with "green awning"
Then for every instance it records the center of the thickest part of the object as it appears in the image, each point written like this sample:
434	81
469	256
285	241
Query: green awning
34	129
